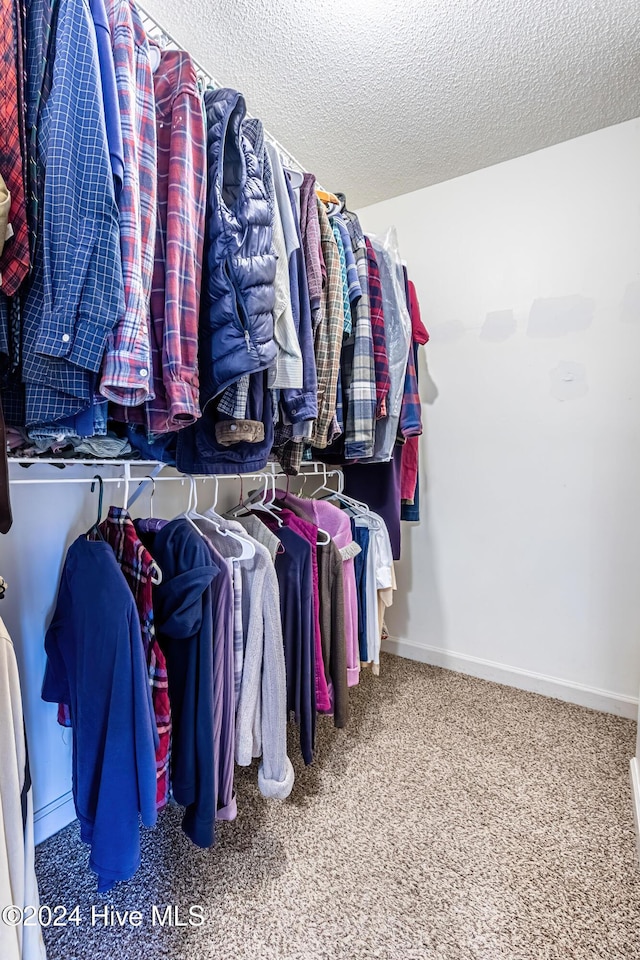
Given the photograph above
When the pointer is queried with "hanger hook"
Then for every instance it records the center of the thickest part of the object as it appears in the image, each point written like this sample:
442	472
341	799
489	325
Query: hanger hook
193	499
100	495
266	489
152	494
215	492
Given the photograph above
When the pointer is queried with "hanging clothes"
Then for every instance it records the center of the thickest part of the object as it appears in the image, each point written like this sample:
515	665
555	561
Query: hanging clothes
76	293
183	609
261	720
15	259
337	525
18	884
295	578
409	483
332	627
96	665
126	376
139	570
179	239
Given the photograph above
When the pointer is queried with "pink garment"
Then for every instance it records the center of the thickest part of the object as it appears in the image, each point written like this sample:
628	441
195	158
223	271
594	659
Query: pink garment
410	455
338	526
409	469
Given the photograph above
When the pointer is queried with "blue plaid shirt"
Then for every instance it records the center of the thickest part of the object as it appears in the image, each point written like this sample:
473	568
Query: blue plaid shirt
76	293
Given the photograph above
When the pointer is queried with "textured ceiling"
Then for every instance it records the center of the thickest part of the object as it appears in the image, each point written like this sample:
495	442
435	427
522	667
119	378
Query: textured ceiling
381	97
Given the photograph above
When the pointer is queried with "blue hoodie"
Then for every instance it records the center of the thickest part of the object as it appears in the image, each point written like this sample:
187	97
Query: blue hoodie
182	609
96	665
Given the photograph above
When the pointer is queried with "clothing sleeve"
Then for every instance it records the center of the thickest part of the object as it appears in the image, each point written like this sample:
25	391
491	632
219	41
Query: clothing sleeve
126	376
128	770
411	412
55	686
338	667
302	405
328	338
308	711
286	372
248	702
380	356
82	267
361	412
275	776
186	208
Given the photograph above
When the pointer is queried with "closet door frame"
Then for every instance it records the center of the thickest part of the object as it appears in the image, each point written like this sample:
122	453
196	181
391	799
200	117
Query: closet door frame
635	788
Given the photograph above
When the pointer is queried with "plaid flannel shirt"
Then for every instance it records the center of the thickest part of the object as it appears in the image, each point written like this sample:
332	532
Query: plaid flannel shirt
328	336
360	429
14	260
76	293
343	275
381	359
411	411
179	242
311	245
126	374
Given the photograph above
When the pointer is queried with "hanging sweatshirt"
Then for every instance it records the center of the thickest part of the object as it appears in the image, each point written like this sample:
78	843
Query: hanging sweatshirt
96	665
330	518
182	606
18	883
261	718
295	579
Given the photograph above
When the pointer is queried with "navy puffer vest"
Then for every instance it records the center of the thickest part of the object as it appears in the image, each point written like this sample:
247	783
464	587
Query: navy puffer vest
236	322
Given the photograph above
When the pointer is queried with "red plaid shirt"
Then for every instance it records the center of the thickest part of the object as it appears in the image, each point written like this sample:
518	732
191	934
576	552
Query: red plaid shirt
138	567
380	358
15	260
126	374
177	270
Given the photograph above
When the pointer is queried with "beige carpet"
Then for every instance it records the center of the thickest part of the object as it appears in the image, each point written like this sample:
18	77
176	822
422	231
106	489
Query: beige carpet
453	819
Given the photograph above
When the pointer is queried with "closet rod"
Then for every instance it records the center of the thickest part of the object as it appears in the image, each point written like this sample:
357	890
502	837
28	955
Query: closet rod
182	478
158	33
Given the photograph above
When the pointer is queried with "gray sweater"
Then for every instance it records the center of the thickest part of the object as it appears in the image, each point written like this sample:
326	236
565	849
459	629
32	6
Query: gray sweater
261	717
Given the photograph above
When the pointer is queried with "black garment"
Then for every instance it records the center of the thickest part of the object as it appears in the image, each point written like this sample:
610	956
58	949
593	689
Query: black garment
295	579
182	606
378	485
332	627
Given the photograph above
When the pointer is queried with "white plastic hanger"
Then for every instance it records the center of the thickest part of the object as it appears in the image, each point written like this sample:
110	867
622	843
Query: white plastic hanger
262	506
247	549
156	576
323	536
355	505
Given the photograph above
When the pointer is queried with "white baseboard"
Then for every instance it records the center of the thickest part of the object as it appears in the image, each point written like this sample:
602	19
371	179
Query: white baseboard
53	817
592	697
635	792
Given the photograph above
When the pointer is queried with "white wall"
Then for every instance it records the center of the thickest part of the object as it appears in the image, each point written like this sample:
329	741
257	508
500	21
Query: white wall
526	566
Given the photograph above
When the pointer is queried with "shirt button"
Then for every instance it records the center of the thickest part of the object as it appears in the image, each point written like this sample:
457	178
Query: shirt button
65	338
144	372
233	427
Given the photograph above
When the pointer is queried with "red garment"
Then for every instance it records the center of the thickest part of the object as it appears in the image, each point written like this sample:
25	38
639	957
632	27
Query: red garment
15	260
138	567
380	357
177	271
126	373
409	464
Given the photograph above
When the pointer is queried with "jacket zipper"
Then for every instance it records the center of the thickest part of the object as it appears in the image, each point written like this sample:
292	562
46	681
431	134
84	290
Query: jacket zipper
240	309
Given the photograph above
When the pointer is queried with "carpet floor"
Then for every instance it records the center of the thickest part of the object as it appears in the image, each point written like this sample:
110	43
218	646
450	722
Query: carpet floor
452	819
